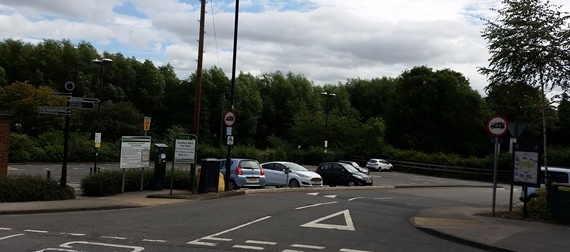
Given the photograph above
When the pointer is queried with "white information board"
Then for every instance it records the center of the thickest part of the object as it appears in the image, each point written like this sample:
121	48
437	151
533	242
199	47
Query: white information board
135	152
526	167
185	151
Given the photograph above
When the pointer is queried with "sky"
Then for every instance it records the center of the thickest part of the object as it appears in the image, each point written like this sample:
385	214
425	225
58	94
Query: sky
327	41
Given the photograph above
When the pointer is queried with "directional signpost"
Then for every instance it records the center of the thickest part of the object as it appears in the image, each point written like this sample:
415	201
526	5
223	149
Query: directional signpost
45	110
72	103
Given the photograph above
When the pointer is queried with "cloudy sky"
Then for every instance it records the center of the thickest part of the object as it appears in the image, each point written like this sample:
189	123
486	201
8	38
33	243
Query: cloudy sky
328	41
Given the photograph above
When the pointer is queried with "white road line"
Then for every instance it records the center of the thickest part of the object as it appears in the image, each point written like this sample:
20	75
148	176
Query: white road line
150	240
134	248
315	205
351	199
36	231
247	247
330	196
352	250
198	242
113	237
212	237
216	238
307	246
73	234
313	193
290	250
6	229
261	242
388	198
9	236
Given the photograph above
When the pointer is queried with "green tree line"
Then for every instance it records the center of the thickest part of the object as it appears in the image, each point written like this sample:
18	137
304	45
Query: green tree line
422	109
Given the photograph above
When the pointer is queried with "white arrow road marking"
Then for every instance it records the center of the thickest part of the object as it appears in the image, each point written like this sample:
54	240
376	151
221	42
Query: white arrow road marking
58	249
330	196
9	236
213	237
315	205
348	227
134	248
313	193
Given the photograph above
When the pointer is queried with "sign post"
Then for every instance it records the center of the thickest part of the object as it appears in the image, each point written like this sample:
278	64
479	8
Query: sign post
497	126
146	125
185	152
229	121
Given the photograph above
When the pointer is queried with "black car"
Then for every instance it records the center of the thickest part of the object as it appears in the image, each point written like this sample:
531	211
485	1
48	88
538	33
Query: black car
338	173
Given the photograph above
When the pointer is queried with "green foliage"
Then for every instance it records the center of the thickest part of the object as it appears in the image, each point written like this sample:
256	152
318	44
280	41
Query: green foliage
559	157
108	182
19	148
538	206
22	188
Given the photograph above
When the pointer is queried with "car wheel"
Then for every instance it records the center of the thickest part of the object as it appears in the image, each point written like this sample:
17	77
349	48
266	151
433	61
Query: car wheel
233	185
294	183
351	183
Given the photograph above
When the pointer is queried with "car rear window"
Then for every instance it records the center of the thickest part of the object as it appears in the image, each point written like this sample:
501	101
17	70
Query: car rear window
249	164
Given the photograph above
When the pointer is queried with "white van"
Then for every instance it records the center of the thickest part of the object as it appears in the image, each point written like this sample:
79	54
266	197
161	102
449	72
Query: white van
558	175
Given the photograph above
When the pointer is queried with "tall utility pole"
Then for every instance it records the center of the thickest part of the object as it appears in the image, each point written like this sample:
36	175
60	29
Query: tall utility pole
228	159
199	69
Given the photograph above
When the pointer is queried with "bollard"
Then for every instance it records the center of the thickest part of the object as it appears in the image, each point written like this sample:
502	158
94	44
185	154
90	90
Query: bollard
48	174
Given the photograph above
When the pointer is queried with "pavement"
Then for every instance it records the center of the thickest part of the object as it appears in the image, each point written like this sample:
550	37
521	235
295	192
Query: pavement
460	224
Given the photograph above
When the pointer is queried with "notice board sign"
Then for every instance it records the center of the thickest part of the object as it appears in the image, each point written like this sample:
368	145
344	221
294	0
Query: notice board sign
526	169
135	152
185	151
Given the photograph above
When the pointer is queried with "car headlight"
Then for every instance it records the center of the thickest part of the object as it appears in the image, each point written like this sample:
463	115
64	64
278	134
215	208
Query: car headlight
302	175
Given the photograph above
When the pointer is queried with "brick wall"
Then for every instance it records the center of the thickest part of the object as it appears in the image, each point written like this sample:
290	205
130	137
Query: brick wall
5	123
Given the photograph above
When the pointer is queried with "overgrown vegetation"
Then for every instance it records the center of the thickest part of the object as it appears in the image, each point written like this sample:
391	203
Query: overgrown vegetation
22	188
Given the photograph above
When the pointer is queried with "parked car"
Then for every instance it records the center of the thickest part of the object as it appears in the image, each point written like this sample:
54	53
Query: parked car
379	165
337	173
358	167
244	173
557	174
290	174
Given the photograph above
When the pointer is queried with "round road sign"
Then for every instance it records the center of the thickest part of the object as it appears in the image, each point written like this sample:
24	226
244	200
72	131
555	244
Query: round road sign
497	126
229	118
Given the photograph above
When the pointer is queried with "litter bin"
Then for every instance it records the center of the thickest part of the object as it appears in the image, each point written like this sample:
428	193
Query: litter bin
209	175
159	166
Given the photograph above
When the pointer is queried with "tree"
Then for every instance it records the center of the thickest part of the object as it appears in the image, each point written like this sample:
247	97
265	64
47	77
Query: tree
436	112
529	43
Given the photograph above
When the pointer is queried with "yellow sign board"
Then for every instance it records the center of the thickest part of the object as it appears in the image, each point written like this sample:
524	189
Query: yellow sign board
146	123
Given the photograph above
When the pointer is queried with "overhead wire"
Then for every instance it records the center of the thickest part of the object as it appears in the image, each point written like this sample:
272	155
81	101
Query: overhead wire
215	36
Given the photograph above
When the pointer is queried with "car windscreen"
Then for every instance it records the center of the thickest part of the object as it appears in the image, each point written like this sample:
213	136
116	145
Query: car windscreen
249	164
296	167
350	168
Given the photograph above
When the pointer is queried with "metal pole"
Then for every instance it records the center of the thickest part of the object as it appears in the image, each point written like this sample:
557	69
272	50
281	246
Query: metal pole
326	127
228	159
495	173
63	180
98	113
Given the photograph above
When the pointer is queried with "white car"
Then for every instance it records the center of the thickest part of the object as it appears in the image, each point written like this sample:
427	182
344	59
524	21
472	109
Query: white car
379	165
280	174
557	174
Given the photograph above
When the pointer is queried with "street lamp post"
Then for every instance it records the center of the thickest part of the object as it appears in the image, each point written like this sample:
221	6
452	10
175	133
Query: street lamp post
327	95
101	63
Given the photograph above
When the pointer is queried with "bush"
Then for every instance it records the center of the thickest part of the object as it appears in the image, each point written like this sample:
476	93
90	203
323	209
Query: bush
108	182
20	146
22	188
538	207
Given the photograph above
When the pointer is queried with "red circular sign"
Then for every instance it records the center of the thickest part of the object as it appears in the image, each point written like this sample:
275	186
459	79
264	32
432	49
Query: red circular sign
230	118
497	126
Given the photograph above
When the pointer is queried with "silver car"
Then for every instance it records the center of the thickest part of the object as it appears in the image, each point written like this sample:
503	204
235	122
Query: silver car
379	165
290	174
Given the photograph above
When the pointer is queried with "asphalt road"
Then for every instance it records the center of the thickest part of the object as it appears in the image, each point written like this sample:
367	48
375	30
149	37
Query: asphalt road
348	221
